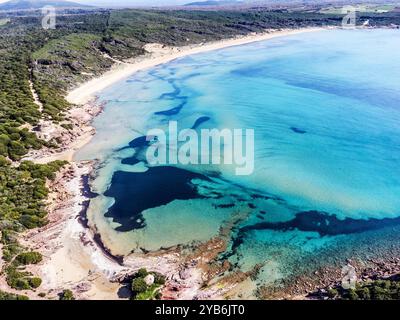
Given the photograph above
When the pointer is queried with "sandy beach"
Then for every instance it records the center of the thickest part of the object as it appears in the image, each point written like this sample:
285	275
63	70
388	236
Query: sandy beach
72	258
159	54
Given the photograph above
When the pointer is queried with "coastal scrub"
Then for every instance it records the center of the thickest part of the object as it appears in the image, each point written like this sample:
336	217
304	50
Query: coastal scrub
23	191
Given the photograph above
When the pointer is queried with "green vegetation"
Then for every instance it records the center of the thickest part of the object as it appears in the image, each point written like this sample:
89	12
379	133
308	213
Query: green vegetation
143	291
22	194
141	273
26	258
67	295
16	104
138	286
35	282
16	275
22	191
15	142
10	296
385	289
332	293
20	279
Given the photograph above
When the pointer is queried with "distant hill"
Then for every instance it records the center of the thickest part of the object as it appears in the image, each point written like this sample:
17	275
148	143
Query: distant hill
210	3
213	3
37	4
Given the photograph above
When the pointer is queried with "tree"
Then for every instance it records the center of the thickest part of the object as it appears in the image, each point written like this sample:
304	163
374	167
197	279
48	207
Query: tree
353	295
10	296
333	293
35	282
3	161
67	295
16	149
29	258
159	278
138	286
364	293
141	273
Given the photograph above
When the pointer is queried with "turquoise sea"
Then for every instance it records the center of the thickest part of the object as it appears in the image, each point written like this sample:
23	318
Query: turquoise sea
325	107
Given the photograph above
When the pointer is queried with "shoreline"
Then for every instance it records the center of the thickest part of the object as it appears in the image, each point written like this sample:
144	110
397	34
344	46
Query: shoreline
71	239
74	256
158	54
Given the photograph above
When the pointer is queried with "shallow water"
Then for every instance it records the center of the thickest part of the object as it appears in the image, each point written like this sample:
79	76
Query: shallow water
325	110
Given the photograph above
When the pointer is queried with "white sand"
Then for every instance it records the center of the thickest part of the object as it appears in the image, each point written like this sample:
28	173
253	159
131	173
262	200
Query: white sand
159	54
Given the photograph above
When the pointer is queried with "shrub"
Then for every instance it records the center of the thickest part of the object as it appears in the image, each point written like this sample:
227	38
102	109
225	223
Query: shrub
26	258
16	150
10	251
333	293
35	282
159	279
17	279
67	295
141	273
379	293
3	160
138	286
353	294
364	293
21	284
67	126
11	296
